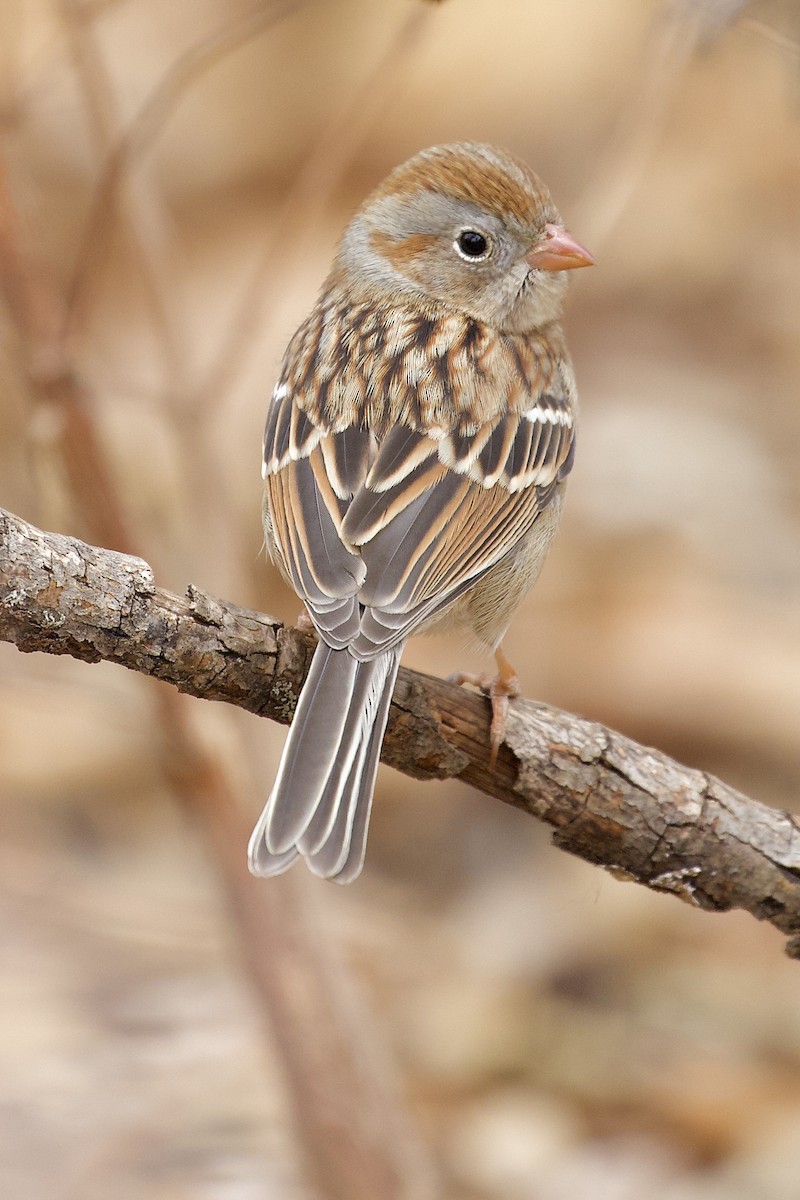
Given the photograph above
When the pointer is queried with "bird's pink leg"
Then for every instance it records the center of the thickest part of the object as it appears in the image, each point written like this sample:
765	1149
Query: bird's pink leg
499	688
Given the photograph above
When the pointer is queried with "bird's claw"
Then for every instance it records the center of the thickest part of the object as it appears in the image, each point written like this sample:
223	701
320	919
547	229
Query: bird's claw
500	689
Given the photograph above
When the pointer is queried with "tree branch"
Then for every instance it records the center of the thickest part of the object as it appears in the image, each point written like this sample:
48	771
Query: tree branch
615	803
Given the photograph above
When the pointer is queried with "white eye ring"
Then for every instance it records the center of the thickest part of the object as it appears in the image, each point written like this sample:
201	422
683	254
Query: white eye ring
473	245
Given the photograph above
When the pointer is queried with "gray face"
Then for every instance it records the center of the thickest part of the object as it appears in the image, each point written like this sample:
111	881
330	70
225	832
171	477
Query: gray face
418	244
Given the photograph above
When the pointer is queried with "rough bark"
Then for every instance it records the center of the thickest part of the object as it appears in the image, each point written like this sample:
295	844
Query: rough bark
613	802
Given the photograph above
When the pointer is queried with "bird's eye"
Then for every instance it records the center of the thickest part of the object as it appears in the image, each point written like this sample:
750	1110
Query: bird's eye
472	245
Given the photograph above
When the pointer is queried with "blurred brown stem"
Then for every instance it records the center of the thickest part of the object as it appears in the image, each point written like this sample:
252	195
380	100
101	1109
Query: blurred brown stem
186	70
680	28
321	172
615	803
145	222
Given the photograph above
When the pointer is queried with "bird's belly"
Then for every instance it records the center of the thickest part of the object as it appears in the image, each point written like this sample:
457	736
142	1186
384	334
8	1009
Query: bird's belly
487	608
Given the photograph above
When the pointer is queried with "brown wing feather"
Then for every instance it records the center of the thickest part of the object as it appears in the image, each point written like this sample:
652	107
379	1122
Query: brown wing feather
359	526
413	570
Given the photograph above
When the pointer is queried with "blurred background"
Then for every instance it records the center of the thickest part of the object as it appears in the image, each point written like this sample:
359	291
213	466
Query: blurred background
174	178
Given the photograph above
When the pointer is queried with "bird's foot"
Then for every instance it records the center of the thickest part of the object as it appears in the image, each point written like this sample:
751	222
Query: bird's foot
500	688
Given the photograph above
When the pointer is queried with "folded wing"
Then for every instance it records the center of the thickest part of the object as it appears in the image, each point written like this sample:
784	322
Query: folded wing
379	538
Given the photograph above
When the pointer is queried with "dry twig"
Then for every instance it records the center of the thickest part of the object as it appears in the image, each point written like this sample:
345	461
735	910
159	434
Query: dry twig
623	806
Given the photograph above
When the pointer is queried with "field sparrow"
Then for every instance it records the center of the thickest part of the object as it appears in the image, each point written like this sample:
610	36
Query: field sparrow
415	456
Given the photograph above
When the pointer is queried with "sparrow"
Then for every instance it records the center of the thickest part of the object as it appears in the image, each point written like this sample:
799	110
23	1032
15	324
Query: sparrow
416	451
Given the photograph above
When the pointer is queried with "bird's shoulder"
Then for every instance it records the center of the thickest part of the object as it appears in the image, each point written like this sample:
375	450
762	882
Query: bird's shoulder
376	364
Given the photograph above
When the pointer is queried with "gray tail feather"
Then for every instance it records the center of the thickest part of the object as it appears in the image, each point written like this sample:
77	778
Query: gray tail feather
320	804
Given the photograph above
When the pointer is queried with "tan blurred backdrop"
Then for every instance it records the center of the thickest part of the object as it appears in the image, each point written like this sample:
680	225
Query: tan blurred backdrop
179	175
